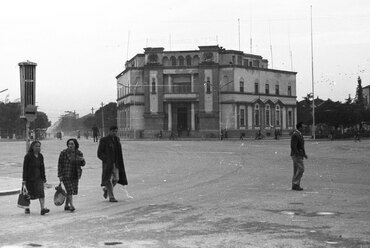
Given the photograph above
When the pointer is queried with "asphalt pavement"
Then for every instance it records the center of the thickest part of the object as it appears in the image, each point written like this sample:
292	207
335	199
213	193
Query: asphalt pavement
199	194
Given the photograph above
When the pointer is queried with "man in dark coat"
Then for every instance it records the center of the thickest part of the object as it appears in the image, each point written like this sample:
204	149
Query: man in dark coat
297	153
110	153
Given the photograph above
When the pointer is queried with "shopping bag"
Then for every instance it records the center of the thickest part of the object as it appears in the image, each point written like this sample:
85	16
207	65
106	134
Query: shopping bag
24	198
60	195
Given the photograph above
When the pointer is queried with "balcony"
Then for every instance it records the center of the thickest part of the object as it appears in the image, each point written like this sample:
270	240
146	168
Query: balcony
180	92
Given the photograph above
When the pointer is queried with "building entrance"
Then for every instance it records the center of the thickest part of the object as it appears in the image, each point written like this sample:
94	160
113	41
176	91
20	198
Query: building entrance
182	121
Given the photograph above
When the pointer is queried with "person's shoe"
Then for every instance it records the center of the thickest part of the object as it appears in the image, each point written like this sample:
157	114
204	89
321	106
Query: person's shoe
105	195
27	211
44	211
297	187
67	208
72	209
113	200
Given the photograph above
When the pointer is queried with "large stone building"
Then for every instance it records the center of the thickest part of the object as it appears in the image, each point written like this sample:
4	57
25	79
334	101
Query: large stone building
202	93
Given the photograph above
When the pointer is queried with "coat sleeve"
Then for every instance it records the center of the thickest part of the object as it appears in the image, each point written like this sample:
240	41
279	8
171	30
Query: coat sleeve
43	176
81	155
25	168
60	165
294	145
102	150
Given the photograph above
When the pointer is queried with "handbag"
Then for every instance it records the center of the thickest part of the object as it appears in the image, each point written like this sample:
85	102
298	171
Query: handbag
24	198
60	195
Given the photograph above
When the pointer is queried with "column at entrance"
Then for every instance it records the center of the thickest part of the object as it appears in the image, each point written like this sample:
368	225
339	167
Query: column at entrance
169	117
192	117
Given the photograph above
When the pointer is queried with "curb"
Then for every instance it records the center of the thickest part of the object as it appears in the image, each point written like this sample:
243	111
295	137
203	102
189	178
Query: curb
9	192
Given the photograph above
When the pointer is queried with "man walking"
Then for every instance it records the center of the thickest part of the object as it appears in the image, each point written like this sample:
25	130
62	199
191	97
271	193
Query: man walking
95	133
110	153
297	153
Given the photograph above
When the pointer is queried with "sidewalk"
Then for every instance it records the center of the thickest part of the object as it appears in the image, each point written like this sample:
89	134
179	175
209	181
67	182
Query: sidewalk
9	185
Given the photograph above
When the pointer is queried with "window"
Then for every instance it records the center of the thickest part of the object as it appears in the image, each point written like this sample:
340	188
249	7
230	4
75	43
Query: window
290	118
267	89
239	60
241	85
181	61
242	119
289	90
257	115
267	118
188	60
233	59
173	61
277	89
153	85
245	62
208	85
256	91
277	115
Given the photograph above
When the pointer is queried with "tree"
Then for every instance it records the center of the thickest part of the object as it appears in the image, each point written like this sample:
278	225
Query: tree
359	94
110	116
41	121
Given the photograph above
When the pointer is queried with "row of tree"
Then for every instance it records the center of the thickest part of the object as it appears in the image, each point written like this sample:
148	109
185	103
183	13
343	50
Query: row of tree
350	114
70	122
12	125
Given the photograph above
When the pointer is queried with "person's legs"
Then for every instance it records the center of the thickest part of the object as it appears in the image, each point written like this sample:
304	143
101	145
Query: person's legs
42	206
112	183
66	206
298	171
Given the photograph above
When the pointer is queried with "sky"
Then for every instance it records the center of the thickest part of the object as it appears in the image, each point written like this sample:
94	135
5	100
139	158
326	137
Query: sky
80	46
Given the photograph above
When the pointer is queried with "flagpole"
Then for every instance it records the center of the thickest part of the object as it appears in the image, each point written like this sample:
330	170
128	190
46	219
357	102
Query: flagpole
313	84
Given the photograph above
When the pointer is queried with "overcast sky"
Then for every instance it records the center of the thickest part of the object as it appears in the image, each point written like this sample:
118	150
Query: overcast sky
81	46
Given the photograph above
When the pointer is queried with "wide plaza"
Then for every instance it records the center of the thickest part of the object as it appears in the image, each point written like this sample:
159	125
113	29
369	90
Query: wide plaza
200	194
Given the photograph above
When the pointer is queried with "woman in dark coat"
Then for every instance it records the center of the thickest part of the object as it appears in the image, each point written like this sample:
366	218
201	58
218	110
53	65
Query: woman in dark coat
34	175
69	171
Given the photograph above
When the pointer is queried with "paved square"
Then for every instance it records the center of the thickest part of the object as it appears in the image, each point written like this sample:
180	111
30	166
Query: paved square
201	194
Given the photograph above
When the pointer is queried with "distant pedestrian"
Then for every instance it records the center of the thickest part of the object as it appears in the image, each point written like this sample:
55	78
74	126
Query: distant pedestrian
78	134
95	133
34	175
297	153
110	153
69	171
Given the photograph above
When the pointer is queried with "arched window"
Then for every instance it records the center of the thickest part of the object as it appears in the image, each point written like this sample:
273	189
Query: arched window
277	116
173	61
188	60
196	60
181	61
267	115
165	61
241	85
257	114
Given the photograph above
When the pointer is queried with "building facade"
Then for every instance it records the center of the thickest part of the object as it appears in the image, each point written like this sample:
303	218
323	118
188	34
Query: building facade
203	93
366	95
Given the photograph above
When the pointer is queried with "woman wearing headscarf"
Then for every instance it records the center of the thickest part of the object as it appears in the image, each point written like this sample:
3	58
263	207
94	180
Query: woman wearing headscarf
34	175
69	171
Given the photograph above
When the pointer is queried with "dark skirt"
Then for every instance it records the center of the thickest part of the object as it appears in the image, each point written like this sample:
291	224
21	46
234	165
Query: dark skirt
35	189
71	186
